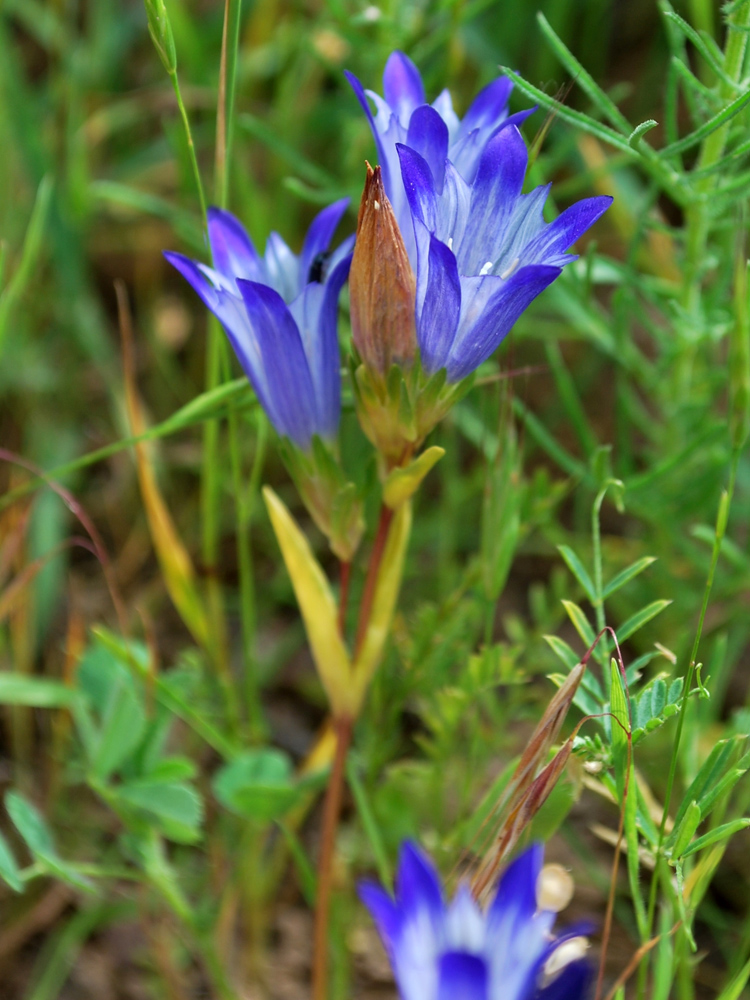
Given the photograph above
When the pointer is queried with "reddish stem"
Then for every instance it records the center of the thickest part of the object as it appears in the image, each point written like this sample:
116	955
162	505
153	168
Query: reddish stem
368	594
345	569
331	811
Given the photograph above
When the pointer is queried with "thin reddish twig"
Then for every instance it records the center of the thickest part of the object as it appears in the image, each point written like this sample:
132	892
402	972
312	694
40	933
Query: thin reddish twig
368	594
345	569
331	812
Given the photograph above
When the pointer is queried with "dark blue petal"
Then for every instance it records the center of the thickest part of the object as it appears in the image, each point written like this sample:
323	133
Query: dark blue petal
428	136
402	85
517	889
417	883
359	90
489	107
290	385
573	983
497	186
319	236
479	337
230	310
231	248
322	350
385	913
420	186
462	977
193	274
561	234
438	307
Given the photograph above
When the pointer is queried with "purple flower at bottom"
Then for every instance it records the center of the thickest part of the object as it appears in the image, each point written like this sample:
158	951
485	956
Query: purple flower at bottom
454	951
280	314
483	250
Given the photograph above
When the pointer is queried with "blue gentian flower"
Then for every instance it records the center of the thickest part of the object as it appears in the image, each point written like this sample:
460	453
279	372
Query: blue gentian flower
434	130
454	951
483	249
280	314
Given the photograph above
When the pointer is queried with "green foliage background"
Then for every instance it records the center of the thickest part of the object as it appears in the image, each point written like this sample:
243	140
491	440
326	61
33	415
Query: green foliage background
602	480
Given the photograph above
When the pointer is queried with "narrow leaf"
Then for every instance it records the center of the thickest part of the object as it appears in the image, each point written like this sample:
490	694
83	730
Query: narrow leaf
580	622
640	618
626	575
317	605
579	571
723	832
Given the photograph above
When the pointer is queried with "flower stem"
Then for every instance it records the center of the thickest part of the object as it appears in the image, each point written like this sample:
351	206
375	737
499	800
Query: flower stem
331	812
368	594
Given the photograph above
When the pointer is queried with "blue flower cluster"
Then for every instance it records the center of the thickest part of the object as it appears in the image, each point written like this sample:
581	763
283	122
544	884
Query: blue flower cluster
480	249
454	951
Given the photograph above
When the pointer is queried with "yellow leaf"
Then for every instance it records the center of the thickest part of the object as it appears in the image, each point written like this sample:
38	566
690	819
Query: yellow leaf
317	605
402	483
386	594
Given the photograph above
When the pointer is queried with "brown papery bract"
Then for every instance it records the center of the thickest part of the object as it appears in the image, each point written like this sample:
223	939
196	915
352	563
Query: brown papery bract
382	286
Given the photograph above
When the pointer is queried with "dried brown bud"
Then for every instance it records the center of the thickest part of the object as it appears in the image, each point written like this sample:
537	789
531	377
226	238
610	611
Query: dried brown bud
382	286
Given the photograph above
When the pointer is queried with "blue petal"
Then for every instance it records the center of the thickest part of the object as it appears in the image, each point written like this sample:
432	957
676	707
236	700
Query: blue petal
230	310
231	248
438	305
402	85
359	90
482	330
428	136
497	186
319	236
561	234
465	153
462	977
282	268
290	385
517	889
315	312
420	186
385	913
573	983
489	107
417	883
193	274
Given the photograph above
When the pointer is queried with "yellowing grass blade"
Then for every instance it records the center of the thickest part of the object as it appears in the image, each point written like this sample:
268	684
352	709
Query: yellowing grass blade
176	565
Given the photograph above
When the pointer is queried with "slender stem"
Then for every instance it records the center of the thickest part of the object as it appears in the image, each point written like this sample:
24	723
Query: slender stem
331	812
346	572
712	149
612	893
368	594
190	143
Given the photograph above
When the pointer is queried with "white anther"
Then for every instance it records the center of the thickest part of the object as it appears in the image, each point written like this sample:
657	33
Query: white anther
376	204
569	951
449	243
509	270
486	268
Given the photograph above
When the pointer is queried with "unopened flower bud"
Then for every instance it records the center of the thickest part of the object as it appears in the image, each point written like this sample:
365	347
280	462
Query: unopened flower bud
382	286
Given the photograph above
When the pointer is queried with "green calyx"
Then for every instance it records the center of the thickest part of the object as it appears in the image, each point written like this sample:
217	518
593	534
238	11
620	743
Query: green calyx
397	411
331	499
